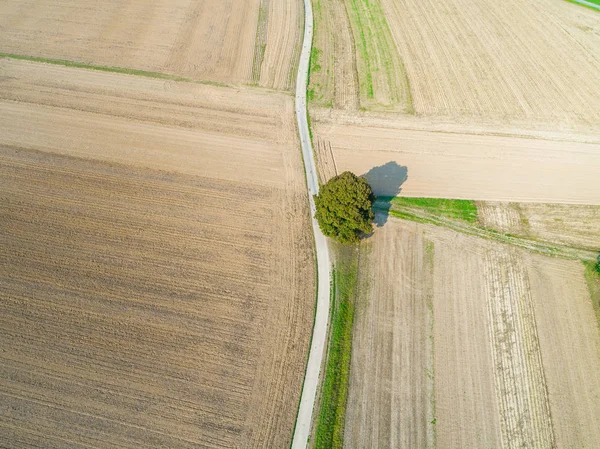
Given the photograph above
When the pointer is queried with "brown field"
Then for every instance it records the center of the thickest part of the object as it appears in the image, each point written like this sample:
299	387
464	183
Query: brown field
533	60
506	341
200	39
442	163
566	224
518	59
156	267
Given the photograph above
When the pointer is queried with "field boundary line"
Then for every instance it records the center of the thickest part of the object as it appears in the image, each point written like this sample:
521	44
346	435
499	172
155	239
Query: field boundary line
540	247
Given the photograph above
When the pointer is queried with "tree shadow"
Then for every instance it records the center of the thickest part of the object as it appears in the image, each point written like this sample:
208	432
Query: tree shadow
386	181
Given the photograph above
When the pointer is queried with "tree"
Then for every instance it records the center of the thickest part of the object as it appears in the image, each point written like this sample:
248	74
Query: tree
344	208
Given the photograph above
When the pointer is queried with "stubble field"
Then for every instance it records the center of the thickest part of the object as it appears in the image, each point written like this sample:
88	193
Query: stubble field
231	41
459	330
529	61
156	266
462	163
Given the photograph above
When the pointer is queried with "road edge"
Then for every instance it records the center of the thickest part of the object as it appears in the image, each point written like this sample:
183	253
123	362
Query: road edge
319	336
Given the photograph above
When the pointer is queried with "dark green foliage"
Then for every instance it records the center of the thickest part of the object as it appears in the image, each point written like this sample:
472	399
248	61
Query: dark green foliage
344	208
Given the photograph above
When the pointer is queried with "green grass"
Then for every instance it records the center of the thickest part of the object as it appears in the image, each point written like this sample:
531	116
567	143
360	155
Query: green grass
377	53
260	44
592	277
329	432
465	210
312	93
101	68
595	2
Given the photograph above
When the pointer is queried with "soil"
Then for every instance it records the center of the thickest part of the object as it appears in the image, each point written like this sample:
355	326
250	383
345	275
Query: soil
156	262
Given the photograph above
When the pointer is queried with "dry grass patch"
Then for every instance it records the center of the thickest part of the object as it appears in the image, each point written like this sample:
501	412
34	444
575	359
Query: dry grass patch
156	273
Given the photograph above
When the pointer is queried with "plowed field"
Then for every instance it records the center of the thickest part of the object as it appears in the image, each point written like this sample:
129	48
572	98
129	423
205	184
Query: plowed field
218	40
156	276
463	342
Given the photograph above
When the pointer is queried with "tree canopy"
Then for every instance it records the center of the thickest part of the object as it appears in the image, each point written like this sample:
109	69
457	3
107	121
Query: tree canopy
344	208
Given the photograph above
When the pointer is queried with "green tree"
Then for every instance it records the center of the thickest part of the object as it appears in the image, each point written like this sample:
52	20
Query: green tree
344	208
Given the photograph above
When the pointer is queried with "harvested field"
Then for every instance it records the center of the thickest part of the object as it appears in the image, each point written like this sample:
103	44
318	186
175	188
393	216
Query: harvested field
283	26
391	397
506	340
200	39
566	224
518	59
156	265
446	164
355	61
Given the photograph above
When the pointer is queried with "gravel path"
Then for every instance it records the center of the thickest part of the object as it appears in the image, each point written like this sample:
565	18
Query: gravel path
319	337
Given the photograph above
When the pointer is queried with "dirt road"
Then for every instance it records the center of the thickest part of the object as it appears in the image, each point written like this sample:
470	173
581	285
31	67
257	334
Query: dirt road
311	379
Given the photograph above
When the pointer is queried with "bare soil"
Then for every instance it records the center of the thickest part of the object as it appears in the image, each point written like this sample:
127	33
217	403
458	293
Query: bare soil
536	60
439	162
391	398
206	40
156	265
506	341
567	224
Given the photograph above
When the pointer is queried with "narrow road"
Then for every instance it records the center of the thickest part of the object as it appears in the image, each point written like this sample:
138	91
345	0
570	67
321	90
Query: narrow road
319	337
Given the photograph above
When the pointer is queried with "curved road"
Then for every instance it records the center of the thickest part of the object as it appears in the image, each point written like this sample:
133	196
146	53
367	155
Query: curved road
315	356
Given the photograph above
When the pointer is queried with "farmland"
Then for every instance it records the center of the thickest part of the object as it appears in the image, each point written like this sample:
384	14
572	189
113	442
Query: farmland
156	265
456	330
223	41
551	168
482	60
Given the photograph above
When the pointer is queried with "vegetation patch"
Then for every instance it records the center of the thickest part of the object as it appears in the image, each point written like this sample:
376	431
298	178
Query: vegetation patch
377	56
329	432
260	40
457	209
593	2
592	277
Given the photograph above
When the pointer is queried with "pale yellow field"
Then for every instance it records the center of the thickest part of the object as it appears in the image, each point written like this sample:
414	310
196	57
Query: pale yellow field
566	224
156	271
200	39
515	59
463	342
442	163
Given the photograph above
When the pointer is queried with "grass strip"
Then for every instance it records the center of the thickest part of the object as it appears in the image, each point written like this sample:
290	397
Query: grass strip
592	277
101	68
587	4
465	210
329	432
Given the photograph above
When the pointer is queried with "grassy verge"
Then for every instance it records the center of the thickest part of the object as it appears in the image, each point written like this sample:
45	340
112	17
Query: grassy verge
592	277
329	432
465	210
101	68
